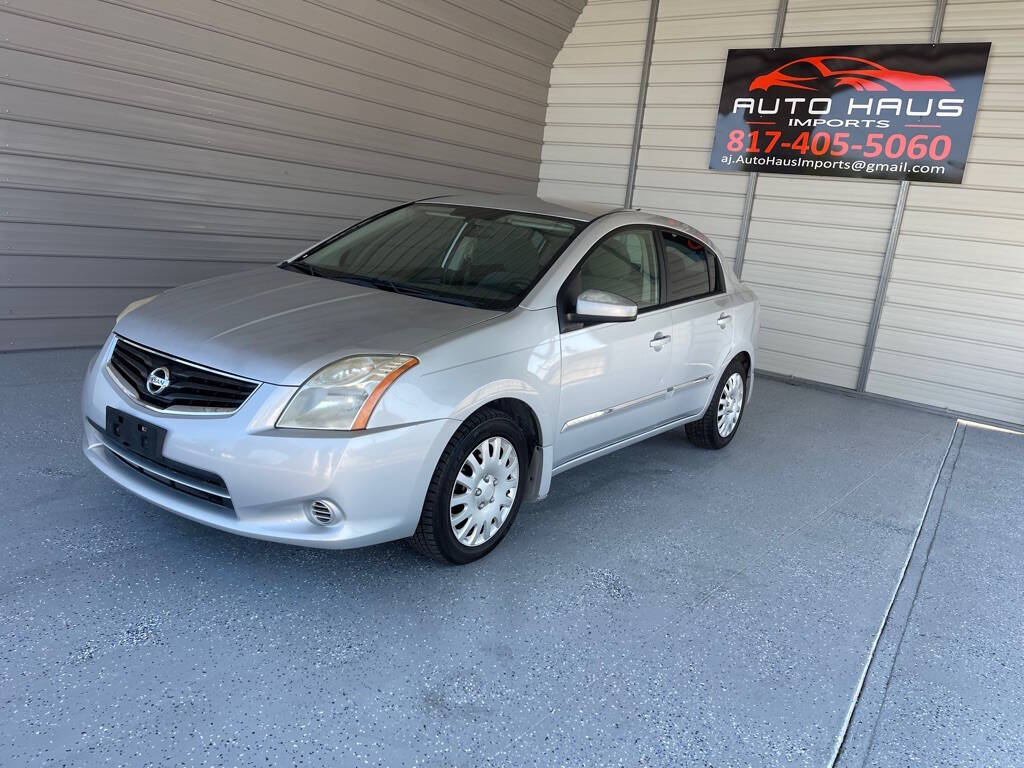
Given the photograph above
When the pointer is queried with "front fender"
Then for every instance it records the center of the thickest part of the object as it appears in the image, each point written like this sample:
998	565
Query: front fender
514	356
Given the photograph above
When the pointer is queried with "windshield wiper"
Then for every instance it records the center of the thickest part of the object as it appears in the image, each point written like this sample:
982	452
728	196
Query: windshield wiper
426	293
381	283
369	282
301	266
387	284
330	274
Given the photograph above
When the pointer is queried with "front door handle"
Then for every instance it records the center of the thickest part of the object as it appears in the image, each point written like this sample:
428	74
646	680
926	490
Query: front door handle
660	340
723	319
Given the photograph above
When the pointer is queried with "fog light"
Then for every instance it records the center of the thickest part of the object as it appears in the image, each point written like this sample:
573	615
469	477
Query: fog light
323	512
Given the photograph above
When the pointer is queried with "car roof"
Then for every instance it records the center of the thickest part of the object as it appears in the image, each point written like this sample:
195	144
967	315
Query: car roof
569	209
578	210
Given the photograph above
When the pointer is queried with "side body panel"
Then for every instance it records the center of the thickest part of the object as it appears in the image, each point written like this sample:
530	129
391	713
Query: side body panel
703	341
613	382
515	355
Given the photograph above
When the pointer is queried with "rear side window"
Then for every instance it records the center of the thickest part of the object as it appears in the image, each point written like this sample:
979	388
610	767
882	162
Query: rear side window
691	268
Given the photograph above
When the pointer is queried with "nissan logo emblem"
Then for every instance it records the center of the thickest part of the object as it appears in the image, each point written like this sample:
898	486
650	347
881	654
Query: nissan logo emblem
159	380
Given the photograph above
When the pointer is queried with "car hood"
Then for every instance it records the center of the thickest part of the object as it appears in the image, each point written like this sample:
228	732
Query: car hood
280	327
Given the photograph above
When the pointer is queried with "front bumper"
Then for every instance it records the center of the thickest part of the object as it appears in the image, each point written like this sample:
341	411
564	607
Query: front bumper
377	478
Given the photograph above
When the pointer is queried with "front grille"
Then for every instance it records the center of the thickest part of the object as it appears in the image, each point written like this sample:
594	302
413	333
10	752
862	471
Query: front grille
191	387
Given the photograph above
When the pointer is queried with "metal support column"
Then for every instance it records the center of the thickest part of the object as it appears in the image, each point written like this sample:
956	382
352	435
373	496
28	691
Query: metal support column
641	103
748	199
891	243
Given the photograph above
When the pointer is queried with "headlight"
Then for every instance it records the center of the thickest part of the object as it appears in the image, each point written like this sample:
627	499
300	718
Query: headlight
344	394
132	307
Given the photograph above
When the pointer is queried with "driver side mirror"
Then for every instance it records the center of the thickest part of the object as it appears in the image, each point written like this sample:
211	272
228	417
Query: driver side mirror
595	306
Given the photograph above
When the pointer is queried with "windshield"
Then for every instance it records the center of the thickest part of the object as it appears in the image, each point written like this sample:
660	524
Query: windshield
476	256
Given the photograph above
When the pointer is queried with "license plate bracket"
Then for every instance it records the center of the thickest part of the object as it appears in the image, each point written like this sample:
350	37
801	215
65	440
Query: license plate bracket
135	435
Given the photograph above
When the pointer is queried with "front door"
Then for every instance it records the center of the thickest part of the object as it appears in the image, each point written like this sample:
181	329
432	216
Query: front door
615	374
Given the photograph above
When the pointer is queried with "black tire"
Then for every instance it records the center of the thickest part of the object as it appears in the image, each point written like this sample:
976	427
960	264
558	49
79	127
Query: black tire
434	536
704	432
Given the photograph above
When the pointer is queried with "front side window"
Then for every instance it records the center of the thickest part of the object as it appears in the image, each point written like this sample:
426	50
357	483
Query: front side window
691	268
625	263
482	257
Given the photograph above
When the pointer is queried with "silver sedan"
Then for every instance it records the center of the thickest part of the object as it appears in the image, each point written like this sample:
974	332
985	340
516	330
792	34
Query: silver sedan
422	373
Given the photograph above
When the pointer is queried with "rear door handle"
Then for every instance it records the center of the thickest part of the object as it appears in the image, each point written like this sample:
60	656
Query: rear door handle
723	319
660	340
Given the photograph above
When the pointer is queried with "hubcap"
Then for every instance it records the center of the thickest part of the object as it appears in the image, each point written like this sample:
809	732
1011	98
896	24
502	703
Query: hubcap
484	491
730	405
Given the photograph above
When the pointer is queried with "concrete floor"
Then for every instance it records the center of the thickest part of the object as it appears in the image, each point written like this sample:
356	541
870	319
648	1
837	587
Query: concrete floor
665	606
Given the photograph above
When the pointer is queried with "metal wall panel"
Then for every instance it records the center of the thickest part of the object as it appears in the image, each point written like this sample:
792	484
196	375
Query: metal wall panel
690	46
952	327
595	82
815	246
592	108
148	143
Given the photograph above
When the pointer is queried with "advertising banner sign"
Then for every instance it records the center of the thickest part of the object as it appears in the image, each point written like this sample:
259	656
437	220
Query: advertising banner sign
865	111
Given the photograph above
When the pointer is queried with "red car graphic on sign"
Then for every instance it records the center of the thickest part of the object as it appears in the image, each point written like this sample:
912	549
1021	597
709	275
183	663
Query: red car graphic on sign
817	73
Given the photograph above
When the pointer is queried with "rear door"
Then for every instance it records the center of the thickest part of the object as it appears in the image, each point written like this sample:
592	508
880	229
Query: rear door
702	323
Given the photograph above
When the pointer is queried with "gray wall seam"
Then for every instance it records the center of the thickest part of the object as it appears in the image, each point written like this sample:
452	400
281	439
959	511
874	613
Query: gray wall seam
641	102
890	246
748	200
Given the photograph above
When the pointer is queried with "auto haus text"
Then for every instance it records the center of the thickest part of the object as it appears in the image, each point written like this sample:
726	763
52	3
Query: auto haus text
860	113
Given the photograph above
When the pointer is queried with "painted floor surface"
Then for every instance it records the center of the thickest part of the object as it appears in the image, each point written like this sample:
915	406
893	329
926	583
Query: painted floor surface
665	606
946	684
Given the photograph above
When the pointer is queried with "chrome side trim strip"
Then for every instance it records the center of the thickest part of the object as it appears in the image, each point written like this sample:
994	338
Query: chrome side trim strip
587	417
690	383
166	474
623	443
614	409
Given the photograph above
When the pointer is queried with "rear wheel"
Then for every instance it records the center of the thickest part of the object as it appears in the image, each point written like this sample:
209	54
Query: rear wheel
476	489
718	426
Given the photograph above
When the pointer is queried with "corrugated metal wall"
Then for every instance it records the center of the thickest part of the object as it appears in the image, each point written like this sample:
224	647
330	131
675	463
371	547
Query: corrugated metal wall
815	246
690	46
147	143
952	328
595	82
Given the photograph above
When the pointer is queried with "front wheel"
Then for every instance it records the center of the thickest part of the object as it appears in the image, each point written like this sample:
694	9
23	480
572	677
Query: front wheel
476	489
717	427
